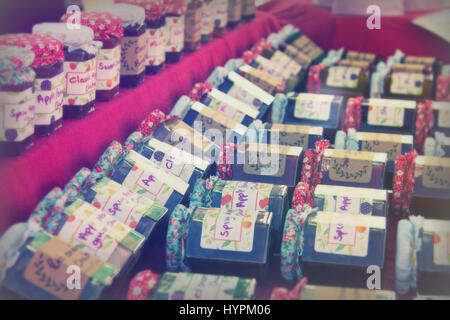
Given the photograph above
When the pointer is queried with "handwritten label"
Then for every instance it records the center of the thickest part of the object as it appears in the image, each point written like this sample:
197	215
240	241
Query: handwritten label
347	204
343	77
312	106
436	177
156	46
285	63
174	34
220	13
108	68
441	248
207	18
444	118
294	139
407	83
350	170
48	268
264	163
246	195
379	115
228	229
81	81
18	116
134	53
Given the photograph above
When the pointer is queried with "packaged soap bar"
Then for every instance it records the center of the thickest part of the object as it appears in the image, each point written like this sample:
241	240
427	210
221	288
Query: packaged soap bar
391	144
107	29
234	13
267	163
133	42
311	292
262	79
242	89
175	11
190	286
220	17
182	164
441	112
305	45
351	200
430	62
388	116
231	107
361	56
294	135
17	100
139	174
315	110
193	25
80	71
409	81
49	81
432	177
208	11
40	272
350	168
338	248
298	56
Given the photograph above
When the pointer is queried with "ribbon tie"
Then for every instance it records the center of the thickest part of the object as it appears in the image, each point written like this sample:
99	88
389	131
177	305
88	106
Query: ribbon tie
141	285
346	141
285	294
225	161
424	123
153	120
351	117
314	77
443	88
201	193
434	146
200	89
176	233
403	183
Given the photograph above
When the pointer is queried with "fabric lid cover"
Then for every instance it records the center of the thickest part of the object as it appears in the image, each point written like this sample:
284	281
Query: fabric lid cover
15	65
131	15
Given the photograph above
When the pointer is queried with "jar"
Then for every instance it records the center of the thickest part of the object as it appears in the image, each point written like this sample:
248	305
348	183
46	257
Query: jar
248	10
193	25
207	20
133	42
220	17
49	81
234	13
17	100
108	30
174	18
80	72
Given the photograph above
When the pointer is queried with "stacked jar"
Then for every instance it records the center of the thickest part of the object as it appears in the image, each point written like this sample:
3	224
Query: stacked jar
174	11
220	17
248	10
133	44
80	66
234	13
108	30
17	100
193	25
49	81
207	20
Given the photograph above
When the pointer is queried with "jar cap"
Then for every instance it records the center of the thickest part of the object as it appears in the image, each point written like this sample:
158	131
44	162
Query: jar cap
130	14
154	9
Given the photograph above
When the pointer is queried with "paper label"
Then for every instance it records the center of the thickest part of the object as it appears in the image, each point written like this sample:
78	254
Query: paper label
444	118
108	68
193	25
246	195
379	115
314	107
228	229
304	44
342	239
264	163
93	231
246	91
134	54
441	248
302	59
48	268
220	13
234	10
436	177
260	78
174	34
343	77
207	18
225	108
50	93
407	83
170	164
248	7
18	116
393	149
350	170
295	139
156	46
81	81
286	63
347	204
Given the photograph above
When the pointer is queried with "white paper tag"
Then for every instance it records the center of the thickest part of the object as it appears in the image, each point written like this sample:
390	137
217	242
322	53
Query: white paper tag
343	77
313	106
407	83
108	68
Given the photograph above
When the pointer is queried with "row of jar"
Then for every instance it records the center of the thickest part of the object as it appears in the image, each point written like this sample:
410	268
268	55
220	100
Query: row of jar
63	68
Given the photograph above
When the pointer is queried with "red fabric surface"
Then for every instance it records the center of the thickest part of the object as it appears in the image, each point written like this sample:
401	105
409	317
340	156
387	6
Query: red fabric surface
53	160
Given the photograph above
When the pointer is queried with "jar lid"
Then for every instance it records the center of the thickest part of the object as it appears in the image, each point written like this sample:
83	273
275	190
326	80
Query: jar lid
175	6
13	58
47	50
104	24
130	14
154	9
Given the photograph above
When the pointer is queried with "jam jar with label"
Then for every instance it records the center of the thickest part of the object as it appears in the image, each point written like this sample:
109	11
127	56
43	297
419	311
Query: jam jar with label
234	13
108	30
220	17
80	71
174	18
133	43
49	81
207	20
17	100
193	26
248	10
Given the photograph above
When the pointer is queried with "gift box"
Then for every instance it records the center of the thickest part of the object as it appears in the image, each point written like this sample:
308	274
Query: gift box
350	168
305	45
242	89
41	271
432	177
351	200
430	62
294	135
315	110
441	113
339	248
258	76
361	56
181	164
17	100
80	71
310	292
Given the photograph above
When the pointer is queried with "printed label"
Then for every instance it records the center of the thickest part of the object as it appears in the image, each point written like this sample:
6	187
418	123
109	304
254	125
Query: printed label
228	229
48	268
347	204
134	54
284	62
246	195
234	10
380	115
392	149
175	34
220	13
156	46
275	71
343	77
207	18
444	118
225	108
436	177
264	163
294	139
407	83
441	248
108	68
260	78
81	80
170	164
314	107
350	170
302	59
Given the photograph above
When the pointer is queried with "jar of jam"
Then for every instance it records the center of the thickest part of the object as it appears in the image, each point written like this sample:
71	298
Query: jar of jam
133	43
174	18
108	30
220	17
49	81
248	10
207	20
17	100
234	13
80	71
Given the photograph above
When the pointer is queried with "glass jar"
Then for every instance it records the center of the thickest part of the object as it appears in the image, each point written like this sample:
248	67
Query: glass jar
49	81
220	17
234	13
193	26
207	20
248	10
133	42
80	72
17	100
175	22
